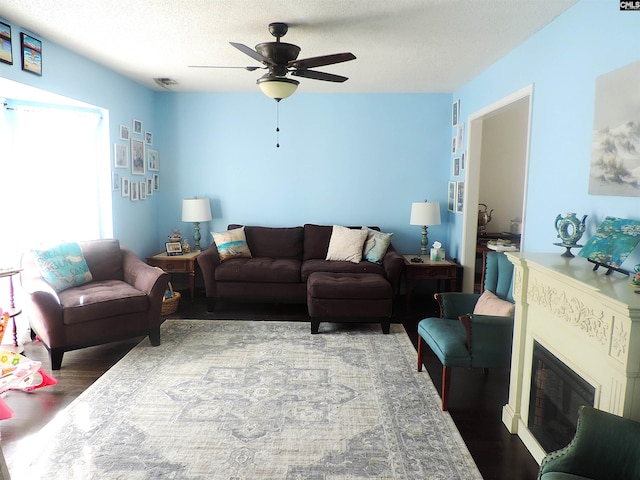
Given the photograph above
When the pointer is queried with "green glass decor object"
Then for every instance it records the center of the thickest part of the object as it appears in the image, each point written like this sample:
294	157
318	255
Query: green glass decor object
570	231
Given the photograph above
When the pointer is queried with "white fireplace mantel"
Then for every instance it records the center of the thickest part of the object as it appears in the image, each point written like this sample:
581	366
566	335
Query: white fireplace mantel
589	320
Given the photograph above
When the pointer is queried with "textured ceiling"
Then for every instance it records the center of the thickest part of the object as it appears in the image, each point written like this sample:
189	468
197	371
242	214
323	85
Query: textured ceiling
400	45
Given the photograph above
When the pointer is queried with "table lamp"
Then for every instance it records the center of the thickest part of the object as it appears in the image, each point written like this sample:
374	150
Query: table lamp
425	214
196	210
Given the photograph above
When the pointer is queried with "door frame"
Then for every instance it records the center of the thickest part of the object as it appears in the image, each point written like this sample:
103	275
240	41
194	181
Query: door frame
472	178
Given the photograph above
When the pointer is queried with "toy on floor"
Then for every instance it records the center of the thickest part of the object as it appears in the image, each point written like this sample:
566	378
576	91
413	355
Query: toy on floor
18	372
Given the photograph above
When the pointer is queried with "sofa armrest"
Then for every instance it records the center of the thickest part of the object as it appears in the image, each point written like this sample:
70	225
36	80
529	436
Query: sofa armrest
144	277
208	260
393	264
43	308
455	304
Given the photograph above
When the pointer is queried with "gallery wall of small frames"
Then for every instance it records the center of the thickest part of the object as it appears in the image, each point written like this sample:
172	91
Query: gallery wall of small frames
30	50
458	162
134	152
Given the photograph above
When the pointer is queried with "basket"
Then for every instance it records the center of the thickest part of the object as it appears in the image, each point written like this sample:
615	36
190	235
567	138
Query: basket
170	303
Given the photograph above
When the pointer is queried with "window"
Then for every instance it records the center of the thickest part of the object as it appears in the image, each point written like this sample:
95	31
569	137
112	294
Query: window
52	177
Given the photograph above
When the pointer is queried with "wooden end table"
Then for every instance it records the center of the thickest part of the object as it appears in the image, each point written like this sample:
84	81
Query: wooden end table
185	263
441	270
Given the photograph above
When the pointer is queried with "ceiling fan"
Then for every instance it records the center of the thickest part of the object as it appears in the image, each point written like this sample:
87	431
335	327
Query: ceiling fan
280	59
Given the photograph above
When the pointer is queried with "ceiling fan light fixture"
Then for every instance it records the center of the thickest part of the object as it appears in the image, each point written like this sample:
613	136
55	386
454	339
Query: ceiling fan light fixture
277	87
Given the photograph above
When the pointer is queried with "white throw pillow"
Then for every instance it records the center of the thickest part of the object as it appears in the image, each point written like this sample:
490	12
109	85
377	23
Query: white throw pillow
346	244
490	304
231	244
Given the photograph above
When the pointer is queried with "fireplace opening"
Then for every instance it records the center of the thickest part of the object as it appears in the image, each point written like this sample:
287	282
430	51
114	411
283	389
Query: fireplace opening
557	392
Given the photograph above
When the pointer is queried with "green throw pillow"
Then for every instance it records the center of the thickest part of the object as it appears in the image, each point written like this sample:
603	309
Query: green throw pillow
376	245
63	266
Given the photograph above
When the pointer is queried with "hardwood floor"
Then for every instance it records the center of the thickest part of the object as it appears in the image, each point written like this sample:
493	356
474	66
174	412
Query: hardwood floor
475	402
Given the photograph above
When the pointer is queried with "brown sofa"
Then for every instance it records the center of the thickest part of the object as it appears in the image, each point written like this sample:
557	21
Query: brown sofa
123	300
282	260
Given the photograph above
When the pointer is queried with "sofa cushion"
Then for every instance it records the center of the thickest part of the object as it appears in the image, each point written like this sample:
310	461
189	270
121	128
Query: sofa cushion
104	258
259	269
231	244
490	304
311	266
346	244
316	241
102	299
376	245
274	242
62	266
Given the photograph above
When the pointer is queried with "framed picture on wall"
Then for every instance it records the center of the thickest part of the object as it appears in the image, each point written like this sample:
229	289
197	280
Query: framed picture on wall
135	191
459	197
120	156
31	54
156	181
137	127
6	51
115	181
143	190
126	184
148	138
451	197
455	113
456	167
124	133
137	157
149	186
152	160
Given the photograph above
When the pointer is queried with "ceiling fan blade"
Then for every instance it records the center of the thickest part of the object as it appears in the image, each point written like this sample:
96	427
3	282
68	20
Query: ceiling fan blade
251	69
312	62
252	53
327	77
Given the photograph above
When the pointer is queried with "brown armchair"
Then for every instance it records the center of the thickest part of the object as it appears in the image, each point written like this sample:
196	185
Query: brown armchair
123	300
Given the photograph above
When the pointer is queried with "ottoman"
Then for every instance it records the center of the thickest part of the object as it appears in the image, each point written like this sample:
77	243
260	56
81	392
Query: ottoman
349	297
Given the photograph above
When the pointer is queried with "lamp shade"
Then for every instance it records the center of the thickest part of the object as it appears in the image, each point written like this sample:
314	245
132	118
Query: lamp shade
277	87
425	213
196	210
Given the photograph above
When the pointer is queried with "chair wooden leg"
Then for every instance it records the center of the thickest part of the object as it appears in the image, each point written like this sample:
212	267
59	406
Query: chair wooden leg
420	342
446	381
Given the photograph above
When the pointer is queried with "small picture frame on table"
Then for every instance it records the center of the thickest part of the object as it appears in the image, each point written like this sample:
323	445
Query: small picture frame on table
173	248
31	54
6	49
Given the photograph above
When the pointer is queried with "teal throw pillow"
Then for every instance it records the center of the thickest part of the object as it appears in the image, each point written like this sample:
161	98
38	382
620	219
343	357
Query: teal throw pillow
376	245
63	266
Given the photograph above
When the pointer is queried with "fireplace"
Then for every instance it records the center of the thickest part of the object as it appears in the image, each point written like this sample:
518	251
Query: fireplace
557	392
589	325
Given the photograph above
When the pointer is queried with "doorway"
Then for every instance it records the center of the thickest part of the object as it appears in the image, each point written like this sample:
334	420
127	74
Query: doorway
498	157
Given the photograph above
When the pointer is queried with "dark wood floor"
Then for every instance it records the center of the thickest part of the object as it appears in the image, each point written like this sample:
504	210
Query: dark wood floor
475	401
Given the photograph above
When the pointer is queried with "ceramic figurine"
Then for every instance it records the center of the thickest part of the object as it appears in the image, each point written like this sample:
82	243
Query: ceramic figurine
570	231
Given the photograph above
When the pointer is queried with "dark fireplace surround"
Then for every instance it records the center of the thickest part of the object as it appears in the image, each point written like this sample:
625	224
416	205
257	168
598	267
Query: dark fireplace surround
557	392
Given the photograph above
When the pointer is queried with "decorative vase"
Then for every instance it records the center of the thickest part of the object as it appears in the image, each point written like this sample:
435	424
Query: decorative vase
570	231
569	228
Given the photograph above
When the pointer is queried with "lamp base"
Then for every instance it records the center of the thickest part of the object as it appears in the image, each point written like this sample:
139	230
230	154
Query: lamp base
196	236
424	242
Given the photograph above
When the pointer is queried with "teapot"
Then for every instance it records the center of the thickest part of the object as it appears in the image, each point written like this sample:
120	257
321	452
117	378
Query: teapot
484	217
569	228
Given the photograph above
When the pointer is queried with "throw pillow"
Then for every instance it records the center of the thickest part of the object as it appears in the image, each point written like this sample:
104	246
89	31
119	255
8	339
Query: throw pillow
376	245
232	244
346	244
63	266
490	304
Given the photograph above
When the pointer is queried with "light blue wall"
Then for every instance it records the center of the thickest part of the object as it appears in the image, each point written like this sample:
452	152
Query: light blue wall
344	159
71	75
562	61
353	159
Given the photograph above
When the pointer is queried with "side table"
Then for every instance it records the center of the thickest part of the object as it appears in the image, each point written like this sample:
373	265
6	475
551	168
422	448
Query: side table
441	270
13	311
185	263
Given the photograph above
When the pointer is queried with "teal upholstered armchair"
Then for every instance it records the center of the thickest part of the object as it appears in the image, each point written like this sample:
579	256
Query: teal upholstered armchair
474	330
605	447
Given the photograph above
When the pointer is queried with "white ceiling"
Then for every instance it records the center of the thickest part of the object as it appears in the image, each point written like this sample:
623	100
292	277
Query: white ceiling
400	45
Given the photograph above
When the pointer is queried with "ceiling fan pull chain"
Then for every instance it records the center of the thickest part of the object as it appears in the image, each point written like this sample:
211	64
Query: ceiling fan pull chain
277	123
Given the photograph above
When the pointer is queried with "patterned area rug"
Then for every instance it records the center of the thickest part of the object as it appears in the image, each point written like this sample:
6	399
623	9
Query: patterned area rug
254	400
